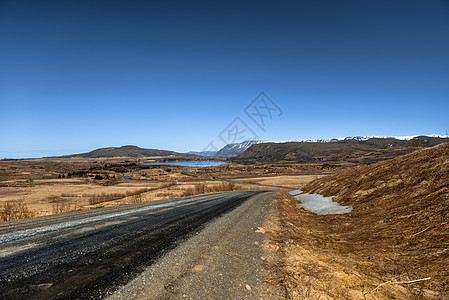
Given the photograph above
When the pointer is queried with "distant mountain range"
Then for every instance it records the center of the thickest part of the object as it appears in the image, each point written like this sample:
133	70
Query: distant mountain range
236	149
345	150
263	150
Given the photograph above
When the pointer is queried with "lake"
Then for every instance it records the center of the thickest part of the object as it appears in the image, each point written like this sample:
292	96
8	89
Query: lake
190	163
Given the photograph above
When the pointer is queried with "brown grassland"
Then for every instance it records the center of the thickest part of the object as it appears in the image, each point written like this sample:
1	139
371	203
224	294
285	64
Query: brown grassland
63	185
395	243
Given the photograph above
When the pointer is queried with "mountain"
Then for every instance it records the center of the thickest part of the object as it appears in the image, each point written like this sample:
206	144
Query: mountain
127	151
350	150
403	138
236	149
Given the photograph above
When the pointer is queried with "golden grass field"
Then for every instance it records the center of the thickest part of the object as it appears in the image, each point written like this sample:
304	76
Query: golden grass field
52	192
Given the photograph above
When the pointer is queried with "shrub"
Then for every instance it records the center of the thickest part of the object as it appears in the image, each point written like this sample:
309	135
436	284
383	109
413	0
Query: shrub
188	192
15	211
103	197
61	207
136	198
202	188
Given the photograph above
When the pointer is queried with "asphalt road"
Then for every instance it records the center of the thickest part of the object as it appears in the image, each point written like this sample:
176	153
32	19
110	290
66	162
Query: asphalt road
85	254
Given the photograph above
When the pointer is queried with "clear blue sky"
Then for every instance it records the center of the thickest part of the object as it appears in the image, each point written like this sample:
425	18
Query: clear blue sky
79	75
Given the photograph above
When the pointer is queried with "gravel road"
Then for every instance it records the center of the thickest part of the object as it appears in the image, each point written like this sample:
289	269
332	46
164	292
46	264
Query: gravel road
89	254
222	261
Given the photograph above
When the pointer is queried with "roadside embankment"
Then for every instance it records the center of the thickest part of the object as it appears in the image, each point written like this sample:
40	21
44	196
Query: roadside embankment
393	244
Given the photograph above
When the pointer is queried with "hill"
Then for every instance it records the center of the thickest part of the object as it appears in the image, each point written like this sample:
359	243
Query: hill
351	150
400	222
126	151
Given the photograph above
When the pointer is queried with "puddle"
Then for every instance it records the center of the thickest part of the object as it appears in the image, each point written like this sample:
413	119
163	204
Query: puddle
319	204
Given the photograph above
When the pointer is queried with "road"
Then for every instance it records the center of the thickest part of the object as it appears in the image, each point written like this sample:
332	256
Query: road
226	259
85	254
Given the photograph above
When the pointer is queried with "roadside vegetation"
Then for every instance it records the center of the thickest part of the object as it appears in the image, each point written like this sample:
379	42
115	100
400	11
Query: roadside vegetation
105	197
132	196
15	211
202	188
393	245
309	263
63	207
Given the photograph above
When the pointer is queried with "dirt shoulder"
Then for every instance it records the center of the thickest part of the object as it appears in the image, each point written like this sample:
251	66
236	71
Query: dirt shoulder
312	263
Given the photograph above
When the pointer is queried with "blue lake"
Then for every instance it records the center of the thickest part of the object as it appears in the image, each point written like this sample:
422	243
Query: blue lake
190	163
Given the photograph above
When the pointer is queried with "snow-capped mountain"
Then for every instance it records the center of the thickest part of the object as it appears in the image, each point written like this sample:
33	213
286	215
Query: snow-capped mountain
238	148
402	138
367	137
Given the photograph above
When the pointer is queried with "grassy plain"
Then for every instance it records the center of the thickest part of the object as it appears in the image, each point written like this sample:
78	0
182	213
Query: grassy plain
51	186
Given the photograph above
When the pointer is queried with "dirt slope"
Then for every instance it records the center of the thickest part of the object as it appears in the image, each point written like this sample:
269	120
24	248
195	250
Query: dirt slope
400	221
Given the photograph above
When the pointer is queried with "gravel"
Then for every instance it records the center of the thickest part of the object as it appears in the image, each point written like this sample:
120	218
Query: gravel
222	261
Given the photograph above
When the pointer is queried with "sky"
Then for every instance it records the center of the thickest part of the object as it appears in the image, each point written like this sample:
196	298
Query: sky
195	75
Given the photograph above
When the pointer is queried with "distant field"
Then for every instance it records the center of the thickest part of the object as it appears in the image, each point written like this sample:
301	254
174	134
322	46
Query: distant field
59	185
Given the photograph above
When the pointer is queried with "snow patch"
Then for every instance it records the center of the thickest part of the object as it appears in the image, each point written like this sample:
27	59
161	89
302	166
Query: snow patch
295	192
319	204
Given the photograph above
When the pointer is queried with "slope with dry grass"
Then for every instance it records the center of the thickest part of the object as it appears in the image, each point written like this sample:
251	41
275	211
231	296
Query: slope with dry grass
398	231
309	263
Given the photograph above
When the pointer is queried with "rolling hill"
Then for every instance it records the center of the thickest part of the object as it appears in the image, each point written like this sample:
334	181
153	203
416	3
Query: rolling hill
128	151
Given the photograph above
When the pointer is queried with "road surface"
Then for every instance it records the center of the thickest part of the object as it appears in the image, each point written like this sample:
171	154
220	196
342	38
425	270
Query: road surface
86	254
227	259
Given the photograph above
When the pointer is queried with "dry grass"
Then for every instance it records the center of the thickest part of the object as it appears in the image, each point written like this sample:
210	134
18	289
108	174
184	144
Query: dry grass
292	181
132	196
309	264
202	188
105	197
68	195
135	196
15	211
62	207
397	233
402	207
164	194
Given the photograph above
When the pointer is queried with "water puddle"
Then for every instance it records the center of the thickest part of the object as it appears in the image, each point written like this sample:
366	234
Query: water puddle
319	204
